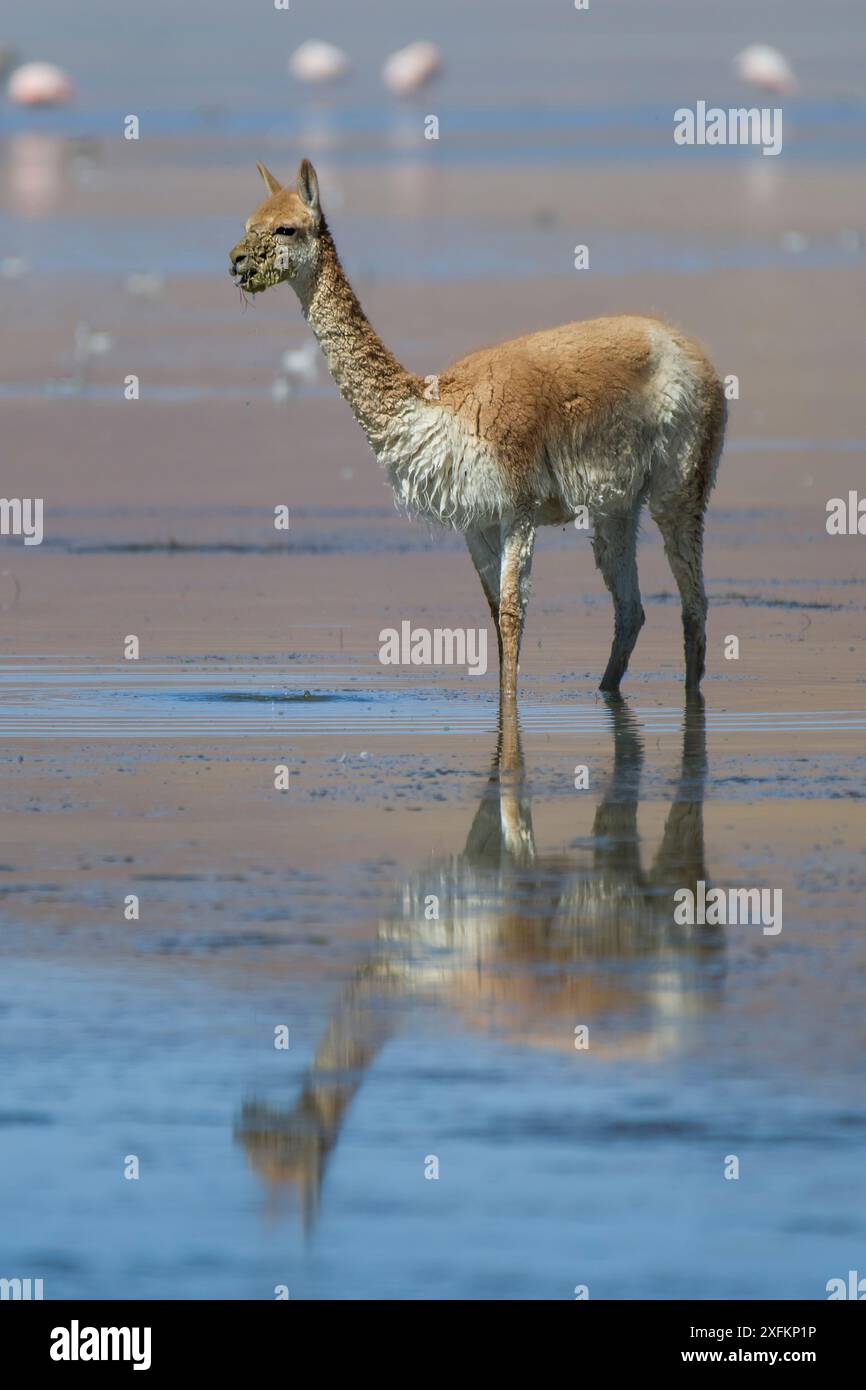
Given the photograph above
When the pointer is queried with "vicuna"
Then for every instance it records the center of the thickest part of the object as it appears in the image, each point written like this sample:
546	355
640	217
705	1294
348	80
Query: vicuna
607	414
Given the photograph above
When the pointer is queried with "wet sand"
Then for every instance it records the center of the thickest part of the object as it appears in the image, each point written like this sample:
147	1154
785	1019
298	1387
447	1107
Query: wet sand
412	1035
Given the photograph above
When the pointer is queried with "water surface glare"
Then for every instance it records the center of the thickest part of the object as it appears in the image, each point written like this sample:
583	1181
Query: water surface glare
48	701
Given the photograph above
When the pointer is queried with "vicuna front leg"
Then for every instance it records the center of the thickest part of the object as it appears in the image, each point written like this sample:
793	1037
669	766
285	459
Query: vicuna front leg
615	548
484	549
517	540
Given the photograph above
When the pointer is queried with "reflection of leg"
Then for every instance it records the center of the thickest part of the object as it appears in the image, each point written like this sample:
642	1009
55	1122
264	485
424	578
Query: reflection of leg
615	549
615	824
515	804
518	537
680	859
483	546
502	828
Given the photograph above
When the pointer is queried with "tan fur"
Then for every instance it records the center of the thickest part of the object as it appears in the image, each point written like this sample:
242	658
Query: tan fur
606	414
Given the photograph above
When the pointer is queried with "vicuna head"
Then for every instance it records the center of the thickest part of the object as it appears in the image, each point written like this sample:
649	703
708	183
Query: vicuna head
282	236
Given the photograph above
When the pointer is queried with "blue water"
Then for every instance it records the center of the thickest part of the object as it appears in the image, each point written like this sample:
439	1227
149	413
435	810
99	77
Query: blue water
447	1039
200	699
553	1172
399	252
368	135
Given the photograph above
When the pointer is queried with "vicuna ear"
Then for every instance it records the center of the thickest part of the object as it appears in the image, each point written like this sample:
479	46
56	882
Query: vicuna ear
308	187
271	184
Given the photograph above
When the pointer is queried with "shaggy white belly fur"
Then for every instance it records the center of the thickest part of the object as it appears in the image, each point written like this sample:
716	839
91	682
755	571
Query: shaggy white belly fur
443	472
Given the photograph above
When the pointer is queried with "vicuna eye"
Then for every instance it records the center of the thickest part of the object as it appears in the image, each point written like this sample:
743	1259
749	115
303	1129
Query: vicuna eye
285	231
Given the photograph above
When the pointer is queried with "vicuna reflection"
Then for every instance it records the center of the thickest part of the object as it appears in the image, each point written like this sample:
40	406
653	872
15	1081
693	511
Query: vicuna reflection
526	945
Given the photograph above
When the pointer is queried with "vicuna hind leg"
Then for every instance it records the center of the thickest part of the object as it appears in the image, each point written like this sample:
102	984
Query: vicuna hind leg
677	503
615	548
683	535
680	520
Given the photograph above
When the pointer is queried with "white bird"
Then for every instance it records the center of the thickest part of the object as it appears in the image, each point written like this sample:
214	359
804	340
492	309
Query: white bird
766	68
299	366
89	343
795	243
40	84
149	284
316	61
13	268
302	362
411	68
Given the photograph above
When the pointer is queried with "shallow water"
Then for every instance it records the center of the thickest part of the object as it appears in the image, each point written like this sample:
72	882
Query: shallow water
449	1037
395	254
64	700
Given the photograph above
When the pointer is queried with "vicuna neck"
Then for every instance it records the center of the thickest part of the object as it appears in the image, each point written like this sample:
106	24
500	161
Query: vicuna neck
367	373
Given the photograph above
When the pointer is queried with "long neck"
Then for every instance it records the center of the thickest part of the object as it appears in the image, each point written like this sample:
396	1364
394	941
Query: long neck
367	373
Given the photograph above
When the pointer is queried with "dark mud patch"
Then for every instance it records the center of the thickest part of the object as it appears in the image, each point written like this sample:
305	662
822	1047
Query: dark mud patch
760	601
265	697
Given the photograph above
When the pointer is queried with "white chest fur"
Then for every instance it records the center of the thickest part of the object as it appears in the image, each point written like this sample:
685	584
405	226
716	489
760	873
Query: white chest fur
440	471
